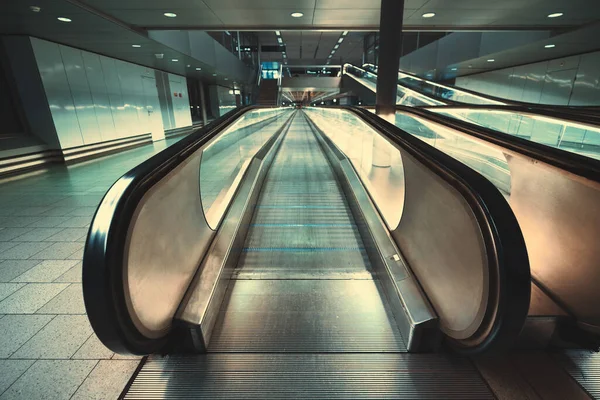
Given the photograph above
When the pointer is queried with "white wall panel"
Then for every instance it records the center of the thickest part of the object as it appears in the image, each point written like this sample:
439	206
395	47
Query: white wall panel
571	80
98	90
95	98
80	91
56	86
181	105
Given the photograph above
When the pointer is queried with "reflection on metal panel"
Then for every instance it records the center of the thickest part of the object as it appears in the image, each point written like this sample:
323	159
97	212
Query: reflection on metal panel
586	89
80	91
98	89
113	88
558	86
59	97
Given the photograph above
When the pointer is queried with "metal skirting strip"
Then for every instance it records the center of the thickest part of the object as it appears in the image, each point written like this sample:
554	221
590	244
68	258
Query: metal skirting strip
86	152
584	367
309	376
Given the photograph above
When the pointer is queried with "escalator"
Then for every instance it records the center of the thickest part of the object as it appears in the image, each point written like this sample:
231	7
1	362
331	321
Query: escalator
270	256
415	91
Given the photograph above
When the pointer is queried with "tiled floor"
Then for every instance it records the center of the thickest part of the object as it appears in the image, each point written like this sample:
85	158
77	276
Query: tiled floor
47	347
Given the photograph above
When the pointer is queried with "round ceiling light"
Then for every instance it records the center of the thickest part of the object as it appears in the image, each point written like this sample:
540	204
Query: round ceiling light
428	15
64	19
297	14
170	15
555	15
549	46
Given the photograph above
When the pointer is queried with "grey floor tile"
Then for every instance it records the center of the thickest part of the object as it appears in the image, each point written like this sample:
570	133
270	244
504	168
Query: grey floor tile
30	298
37	234
23	251
4	246
76	222
93	349
83	212
69	301
16	330
30	211
7	234
10	269
46	271
19	222
48	222
58	212
6	289
58	251
50	379
107	380
69	235
11	370
60	339
78	255
73	275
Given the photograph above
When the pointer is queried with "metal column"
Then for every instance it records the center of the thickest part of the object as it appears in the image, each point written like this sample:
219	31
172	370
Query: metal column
390	44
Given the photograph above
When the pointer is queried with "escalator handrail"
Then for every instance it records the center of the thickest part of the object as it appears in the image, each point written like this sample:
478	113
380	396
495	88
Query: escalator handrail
104	252
555	112
591	110
504	243
576	164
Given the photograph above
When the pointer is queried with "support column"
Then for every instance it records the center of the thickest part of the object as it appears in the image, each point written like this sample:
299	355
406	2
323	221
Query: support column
203	103
390	44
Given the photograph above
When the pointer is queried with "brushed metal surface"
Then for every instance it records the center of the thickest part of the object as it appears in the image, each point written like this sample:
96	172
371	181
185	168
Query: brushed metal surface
560	221
331	376
442	242
159	265
203	299
414	315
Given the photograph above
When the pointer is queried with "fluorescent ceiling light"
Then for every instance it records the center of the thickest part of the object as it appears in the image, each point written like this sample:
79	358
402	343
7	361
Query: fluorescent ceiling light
198	69
226	79
341	40
170	15
344	33
555	15
136	45
491	60
64	19
174	60
549	46
214	74
336	46
297	14
454	69
278	33
428	15
279	40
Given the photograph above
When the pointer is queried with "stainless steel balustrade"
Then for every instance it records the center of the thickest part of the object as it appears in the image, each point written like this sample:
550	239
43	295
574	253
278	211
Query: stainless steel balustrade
553	193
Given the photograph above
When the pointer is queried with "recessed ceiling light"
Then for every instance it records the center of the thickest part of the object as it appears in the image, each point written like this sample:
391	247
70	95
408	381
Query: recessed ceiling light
170	15
174	60
136	45
549	46
64	19
454	69
297	14
491	60
198	69
555	15
428	15
278	33
226	79
344	33
340	40
35	8
214	74
336	46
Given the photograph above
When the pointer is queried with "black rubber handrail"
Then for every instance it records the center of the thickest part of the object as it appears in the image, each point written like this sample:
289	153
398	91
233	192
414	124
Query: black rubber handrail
571	162
503	238
104	252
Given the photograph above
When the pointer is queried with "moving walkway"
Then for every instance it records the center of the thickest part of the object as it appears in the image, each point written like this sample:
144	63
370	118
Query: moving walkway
295	262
